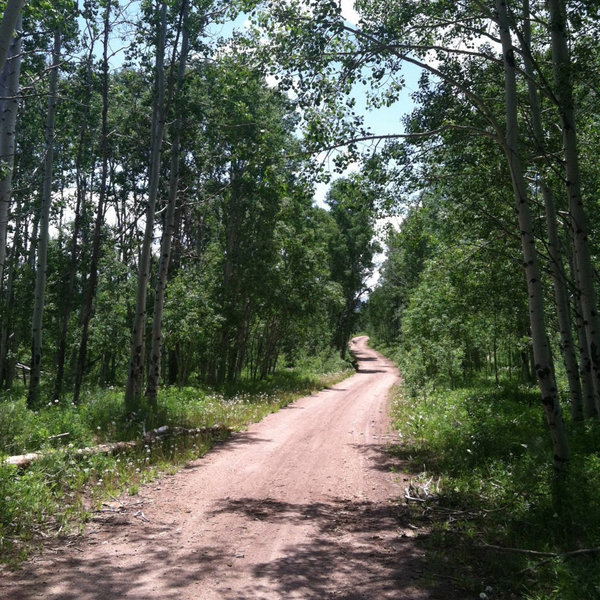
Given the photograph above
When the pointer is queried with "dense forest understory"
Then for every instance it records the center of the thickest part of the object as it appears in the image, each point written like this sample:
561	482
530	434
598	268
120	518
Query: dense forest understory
163	260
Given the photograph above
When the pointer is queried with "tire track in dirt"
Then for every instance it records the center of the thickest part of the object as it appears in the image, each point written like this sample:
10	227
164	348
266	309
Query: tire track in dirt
303	505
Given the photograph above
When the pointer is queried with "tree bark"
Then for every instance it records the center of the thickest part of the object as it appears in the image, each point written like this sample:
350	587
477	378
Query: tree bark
165	249
135	376
561	297
8	25
42	247
9	90
93	278
585	363
544	367
561	65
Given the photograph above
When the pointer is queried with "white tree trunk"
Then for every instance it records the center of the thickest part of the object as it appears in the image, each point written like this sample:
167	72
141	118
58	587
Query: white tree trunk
7	27
42	248
563	85
561	297
93	275
9	104
541	350
165	249
135	376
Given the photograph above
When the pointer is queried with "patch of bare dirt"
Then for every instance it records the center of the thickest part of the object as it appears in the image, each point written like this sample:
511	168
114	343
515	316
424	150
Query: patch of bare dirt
301	506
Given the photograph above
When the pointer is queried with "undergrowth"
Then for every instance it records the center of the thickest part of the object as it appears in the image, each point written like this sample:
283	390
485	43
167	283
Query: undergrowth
481	461
57	493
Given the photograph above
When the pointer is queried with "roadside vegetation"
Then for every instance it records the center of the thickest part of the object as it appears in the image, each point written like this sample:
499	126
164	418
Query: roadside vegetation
215	146
482	486
57	493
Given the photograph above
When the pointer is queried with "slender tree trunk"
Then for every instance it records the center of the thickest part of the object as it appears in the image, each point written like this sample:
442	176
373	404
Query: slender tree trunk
561	299
563	84
7	329
9	89
561	296
135	377
8	25
590	407
496	359
42	247
585	362
165	250
9	103
543	358
96	242
81	192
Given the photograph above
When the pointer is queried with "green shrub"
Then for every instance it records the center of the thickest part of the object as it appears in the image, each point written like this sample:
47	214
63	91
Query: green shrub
489	450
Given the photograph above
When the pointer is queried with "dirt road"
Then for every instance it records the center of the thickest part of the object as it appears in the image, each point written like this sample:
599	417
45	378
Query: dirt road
302	505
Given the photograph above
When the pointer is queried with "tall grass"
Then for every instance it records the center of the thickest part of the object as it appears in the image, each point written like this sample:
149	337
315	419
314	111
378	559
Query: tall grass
483	456
57	493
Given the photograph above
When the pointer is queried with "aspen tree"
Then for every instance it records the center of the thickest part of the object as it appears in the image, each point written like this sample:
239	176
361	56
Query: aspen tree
561	297
9	104
135	376
44	233
541	349
563	87
165	249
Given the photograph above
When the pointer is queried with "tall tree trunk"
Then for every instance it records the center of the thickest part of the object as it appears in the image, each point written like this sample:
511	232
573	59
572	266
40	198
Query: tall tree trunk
9	104
42	247
543	358
96	242
135	376
563	85
10	17
585	362
165	249
9	89
561	297
8	335
590	406
81	192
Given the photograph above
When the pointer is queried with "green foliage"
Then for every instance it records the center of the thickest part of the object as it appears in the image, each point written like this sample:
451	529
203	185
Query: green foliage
352	248
52	494
486	448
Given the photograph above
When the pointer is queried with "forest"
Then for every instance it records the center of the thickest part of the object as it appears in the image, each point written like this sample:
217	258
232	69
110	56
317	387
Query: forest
163	260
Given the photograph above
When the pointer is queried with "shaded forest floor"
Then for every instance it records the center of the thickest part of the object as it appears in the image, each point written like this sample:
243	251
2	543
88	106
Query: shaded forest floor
501	523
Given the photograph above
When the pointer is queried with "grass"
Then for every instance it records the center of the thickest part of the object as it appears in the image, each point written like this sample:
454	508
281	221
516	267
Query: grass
58	493
481	457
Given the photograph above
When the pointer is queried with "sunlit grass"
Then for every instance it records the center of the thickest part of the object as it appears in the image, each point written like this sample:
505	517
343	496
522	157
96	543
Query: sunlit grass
57	493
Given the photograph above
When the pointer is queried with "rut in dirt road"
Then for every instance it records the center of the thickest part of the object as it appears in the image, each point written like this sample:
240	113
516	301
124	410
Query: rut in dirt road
301	506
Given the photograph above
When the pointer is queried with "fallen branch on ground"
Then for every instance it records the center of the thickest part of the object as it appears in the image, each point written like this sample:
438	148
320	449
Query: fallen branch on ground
22	461
534	553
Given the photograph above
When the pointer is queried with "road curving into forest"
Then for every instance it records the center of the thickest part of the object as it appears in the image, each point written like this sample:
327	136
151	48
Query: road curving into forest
303	505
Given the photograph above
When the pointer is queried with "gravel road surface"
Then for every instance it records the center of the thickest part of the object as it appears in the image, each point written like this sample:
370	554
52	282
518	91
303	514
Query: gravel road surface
303	505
